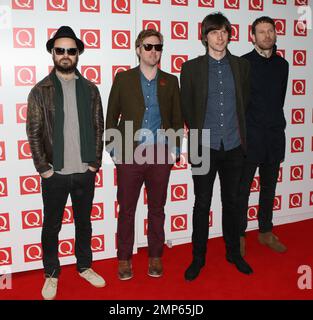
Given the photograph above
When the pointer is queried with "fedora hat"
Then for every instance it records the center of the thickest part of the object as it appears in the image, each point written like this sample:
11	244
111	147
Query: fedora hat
65	32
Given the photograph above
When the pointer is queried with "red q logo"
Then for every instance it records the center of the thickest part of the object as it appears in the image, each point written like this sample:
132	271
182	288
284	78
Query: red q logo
280	26
97	243
210	219
298	87
206	3
116	69
234	32
92	73
99	179
32	252
231	4
24	37
66	248
145	227
179	223
283	2
116	209
179	2
2	151
277	203
23	4
51	33
120	39
121	6
91	38
182	164
299	57
151	24
177	61
29	184
281	52
297	144
311	198
90	6
151	1
25	76
301	2
250	33
300	28
296	173
57	5
253	213
295	200
68	215
179	192
4	222
280	175
24	150
97	212
5	256
179	30
297	116
31	219
311	171
256	5
21	112
3	187
1	114
255	185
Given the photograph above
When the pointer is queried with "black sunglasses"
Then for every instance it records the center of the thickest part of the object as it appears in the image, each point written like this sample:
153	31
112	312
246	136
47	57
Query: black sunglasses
149	46
69	51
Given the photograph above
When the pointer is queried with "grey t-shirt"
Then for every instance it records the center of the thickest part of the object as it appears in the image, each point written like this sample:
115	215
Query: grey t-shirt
72	155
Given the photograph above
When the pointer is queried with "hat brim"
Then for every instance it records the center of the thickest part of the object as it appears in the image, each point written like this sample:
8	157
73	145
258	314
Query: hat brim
79	43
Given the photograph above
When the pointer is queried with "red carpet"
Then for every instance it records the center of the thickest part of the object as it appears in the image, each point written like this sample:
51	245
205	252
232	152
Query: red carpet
275	275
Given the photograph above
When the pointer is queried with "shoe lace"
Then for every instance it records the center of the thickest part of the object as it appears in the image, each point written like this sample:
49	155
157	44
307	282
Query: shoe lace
51	282
89	273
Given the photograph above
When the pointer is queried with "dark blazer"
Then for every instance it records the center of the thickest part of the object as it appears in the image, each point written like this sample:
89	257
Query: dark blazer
194	91
126	103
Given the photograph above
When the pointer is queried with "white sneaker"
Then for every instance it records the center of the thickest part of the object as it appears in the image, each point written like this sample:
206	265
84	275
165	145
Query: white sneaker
49	289
93	277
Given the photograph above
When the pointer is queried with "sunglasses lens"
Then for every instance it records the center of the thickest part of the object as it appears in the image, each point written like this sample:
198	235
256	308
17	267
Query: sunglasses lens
61	51
158	47
72	51
148	47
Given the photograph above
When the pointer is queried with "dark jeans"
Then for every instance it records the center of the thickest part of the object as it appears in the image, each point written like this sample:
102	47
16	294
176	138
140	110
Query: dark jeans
228	165
268	180
130	178
55	191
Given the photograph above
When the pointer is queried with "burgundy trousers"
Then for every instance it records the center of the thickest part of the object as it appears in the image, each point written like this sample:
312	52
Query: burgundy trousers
130	178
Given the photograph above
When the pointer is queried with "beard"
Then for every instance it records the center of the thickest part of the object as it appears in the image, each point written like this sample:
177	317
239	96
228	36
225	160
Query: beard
65	65
266	45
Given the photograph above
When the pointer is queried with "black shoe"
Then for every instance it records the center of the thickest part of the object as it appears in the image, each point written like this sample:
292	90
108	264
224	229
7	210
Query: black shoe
193	270
240	264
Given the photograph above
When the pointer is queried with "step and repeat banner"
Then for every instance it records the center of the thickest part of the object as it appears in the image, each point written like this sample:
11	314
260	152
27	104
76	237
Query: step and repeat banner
109	29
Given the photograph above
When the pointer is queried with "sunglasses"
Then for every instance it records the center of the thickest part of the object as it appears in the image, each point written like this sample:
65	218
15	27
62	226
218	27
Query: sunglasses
149	46
69	51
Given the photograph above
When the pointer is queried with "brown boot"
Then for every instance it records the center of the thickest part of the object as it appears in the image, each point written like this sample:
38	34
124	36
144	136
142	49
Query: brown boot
155	267
271	240
125	271
242	246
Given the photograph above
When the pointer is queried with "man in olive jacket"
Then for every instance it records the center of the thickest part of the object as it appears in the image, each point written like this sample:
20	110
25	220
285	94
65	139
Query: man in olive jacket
214	95
65	132
147	99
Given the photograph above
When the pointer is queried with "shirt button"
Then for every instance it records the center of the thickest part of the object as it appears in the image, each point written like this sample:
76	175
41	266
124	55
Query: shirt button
221	125
146	120
147	108
221	82
222	114
222	104
148	84
220	72
221	92
148	97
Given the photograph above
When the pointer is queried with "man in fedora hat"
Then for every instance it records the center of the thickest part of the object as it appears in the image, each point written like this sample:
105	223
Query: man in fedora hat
65	132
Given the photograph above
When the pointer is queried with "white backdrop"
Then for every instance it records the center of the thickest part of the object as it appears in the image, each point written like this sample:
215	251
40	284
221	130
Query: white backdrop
109	29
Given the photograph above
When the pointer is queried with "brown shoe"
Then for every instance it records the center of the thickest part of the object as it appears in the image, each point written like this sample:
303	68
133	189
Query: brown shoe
271	240
155	267
242	246
125	271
